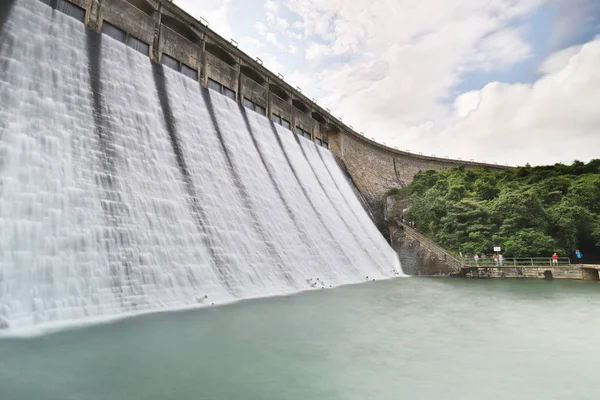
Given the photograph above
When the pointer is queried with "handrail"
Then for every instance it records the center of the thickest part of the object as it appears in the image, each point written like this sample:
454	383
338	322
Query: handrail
508	262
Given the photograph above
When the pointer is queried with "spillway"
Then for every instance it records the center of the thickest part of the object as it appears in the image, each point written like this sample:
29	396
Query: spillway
126	187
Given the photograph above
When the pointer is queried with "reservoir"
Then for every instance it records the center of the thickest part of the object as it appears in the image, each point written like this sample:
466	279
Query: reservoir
407	338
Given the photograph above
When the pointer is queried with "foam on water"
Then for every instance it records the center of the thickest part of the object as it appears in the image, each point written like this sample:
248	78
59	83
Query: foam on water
126	188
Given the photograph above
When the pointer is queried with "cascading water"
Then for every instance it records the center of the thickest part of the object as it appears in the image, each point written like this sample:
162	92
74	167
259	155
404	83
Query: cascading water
127	188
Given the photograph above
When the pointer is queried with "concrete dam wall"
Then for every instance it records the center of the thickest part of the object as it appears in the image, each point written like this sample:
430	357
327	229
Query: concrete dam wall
128	187
170	36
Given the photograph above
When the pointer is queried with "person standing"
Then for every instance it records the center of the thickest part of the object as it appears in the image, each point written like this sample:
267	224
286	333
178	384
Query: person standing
500	259
476	258
554	259
579	257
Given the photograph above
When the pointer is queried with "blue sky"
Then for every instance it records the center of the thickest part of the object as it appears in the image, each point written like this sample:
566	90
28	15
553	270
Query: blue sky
507	81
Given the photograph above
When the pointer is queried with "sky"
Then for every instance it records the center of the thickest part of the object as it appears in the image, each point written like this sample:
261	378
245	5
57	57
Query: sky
501	81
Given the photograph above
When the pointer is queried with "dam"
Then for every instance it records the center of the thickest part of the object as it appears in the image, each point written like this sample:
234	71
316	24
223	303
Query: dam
127	187
133	183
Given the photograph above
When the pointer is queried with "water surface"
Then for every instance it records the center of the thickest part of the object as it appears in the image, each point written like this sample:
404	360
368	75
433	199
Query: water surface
401	339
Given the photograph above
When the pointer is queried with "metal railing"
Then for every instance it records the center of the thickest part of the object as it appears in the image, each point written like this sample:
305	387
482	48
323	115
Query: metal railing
487	262
517	262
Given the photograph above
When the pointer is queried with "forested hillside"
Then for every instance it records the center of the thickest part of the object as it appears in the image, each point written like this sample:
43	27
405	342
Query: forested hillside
528	211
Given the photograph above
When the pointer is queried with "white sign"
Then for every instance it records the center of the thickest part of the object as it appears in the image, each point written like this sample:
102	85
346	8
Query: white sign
497	249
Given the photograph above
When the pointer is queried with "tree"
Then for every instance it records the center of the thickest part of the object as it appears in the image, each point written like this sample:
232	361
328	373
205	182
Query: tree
529	211
531	242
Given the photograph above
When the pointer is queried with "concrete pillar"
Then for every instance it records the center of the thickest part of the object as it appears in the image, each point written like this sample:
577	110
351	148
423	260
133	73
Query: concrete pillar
294	119
204	64
336	143
269	100
201	50
238	76
157	32
315	127
94	16
293	112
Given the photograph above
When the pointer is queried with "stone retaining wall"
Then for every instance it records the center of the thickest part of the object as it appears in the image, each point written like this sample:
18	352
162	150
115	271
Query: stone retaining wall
573	272
420	257
376	169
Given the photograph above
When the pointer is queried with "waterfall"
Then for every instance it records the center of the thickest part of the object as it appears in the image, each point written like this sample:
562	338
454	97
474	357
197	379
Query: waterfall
126	187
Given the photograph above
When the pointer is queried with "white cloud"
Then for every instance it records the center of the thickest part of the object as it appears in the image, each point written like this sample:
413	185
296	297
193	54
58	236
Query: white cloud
553	119
421	47
261	28
272	6
503	47
214	11
390	68
316	51
274	28
558	60
467	103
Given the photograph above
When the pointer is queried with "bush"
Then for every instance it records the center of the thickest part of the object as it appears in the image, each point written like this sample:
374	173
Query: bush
402	192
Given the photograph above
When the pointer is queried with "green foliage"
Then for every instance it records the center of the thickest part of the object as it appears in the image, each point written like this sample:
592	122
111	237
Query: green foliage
529	211
402	192
531	241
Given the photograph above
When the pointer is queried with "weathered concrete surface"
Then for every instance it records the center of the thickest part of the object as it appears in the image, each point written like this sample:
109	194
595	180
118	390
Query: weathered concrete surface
377	168
421	258
281	107
180	48
122	14
253	91
418	255
374	205
394	207
572	272
221	72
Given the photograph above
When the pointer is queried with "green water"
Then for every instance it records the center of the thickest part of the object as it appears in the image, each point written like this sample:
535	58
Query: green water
400	339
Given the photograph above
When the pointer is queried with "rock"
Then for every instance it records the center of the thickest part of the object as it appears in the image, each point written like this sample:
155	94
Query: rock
3	324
